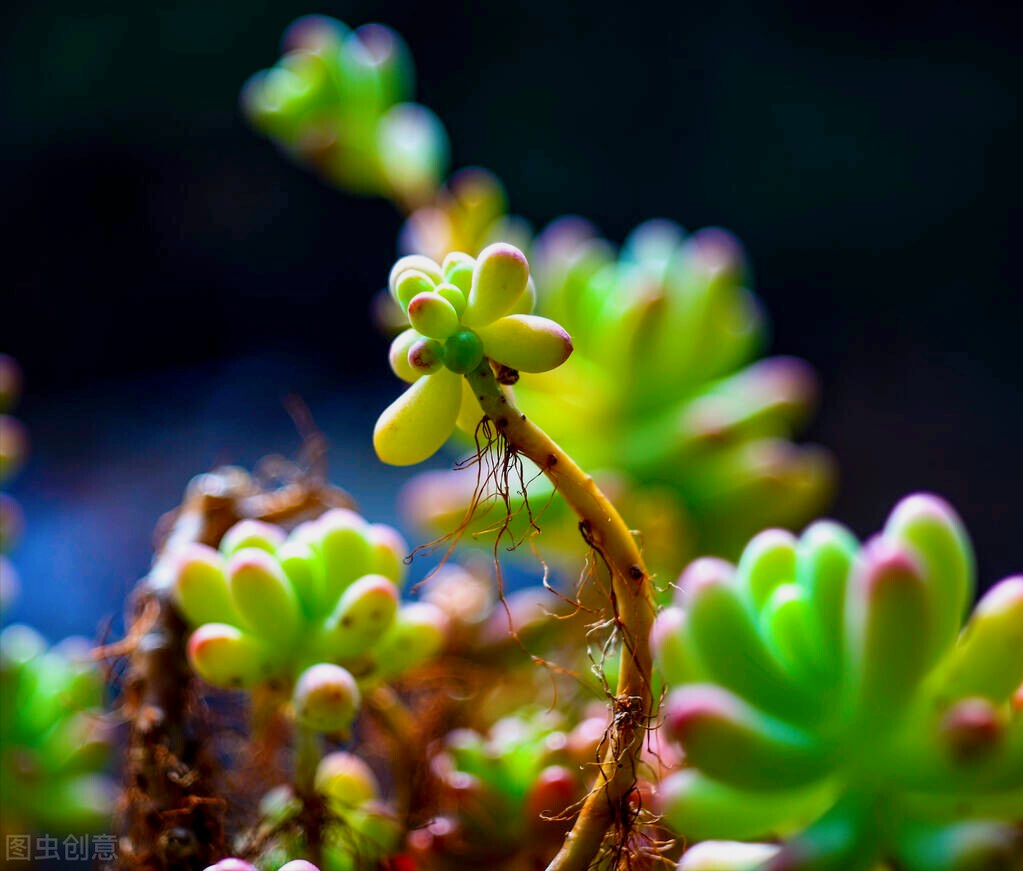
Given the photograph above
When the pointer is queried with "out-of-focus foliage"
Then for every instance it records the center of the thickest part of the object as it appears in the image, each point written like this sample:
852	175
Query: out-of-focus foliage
495	788
826	692
339	101
360	827
316	611
662	399
53	740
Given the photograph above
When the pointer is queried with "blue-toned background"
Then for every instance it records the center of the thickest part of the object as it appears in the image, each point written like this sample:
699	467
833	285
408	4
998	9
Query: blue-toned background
169	278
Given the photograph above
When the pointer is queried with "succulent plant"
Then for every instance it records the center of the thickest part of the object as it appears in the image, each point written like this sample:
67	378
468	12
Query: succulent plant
339	100
317	611
825	692
461	312
359	829
468	213
501	792
664	333
53	740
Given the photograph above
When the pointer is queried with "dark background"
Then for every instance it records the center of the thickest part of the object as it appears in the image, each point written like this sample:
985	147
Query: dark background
169	277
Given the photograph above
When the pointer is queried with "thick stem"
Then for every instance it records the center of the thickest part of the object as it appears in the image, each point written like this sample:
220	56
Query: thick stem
307	757
633	607
308	752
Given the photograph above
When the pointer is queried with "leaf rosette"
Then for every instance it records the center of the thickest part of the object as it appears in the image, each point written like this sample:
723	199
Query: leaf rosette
696	434
461	312
317	611
826	692
54	742
340	101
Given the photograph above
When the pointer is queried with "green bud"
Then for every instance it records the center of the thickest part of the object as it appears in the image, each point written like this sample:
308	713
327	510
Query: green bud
345	551
526	302
305	574
377	830
345	780
227	657
498	280
768	560
526	342
390	58
453	295
320	34
431	314
262	594
463	351
388	552
417	263
413	148
714	610
252	533
200	586
785	624
458	268
363	614
418	632
410	284
826	552
326	699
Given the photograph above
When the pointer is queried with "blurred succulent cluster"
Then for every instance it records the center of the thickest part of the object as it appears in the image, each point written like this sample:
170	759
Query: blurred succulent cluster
339	101
469	212
823	692
500	793
361	827
660	398
13	450
316	612
666	329
53	739
460	312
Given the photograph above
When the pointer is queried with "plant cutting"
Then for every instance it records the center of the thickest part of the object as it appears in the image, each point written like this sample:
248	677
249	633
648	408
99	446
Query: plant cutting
287	706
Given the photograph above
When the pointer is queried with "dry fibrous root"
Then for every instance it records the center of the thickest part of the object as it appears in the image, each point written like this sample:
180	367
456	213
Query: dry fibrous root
173	813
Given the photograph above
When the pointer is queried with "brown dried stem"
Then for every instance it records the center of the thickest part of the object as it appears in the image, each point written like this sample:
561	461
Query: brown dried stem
173	816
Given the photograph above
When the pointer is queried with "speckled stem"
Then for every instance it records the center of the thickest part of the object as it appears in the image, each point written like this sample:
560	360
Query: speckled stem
632	605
